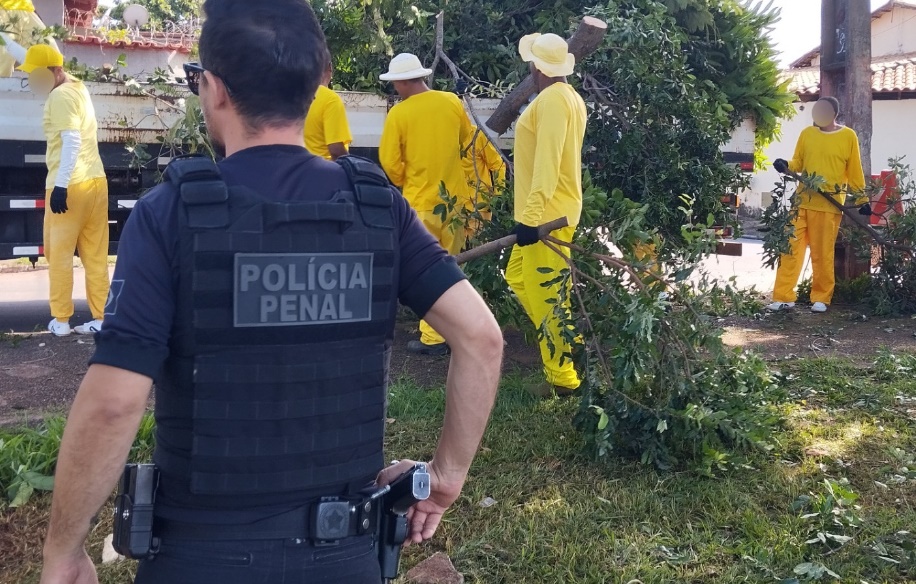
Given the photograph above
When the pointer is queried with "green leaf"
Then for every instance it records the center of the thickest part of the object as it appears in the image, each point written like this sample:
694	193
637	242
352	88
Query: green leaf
39	481
23	493
603	421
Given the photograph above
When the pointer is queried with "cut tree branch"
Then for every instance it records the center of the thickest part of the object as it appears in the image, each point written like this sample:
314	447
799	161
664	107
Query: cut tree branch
457	74
583	42
858	219
507	241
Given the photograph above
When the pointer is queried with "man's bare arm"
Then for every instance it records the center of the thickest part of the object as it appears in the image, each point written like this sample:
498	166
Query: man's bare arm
461	316
337	149
100	429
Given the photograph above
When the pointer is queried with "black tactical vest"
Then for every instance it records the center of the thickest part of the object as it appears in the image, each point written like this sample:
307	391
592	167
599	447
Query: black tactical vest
276	382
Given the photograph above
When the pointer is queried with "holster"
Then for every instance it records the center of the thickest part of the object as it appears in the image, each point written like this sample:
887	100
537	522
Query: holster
133	519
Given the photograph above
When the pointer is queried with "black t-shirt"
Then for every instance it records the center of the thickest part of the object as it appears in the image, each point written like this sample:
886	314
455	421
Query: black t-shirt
141	306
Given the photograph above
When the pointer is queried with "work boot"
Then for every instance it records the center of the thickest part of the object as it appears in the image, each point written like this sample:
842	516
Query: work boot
59	329
420	348
545	390
777	306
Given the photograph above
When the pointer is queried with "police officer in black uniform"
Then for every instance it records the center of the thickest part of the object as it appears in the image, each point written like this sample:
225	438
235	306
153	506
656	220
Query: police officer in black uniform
260	295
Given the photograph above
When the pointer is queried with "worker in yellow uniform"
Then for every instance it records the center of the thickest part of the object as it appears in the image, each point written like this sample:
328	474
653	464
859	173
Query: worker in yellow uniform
327	133
76	204
830	151
486	173
420	150
548	185
19	21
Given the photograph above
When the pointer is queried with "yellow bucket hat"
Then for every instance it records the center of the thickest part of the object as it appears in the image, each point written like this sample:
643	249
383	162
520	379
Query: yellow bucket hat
41	56
549	53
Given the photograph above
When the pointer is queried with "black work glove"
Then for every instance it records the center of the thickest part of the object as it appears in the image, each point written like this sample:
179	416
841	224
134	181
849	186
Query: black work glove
865	210
59	200
781	165
526	235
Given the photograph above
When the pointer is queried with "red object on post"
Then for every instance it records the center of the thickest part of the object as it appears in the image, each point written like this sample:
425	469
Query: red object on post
879	205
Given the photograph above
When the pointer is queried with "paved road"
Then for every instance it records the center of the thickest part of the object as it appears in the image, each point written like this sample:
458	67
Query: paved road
24	295
24	300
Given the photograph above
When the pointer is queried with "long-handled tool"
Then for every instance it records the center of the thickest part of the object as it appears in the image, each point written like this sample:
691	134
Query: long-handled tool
856	218
507	241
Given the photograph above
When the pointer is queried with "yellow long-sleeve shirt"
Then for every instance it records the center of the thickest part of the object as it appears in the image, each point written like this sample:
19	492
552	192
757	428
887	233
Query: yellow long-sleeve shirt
489	164
548	157
69	107
835	157
421	147
326	123
24	5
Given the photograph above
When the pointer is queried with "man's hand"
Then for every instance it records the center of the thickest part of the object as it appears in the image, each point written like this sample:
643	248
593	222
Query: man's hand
526	235
781	165
865	210
72	568
59	200
424	517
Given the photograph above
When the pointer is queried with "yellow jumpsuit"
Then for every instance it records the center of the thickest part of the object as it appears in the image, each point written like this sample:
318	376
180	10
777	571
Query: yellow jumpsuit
485	171
84	227
548	185
326	123
18	19
835	157
420	150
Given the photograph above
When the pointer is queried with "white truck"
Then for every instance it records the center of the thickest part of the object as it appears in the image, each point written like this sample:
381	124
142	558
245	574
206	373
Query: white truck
126	118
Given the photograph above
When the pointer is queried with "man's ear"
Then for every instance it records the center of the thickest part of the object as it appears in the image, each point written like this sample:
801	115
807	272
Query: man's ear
216	88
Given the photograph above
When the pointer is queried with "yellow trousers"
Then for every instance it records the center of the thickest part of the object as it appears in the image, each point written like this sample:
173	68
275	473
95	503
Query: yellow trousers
20	25
451	237
84	227
817	230
525	280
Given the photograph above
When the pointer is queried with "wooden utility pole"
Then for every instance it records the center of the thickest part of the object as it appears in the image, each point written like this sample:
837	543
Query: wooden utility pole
846	66
846	75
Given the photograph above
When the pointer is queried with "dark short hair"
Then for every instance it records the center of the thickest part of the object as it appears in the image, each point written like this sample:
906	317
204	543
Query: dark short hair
271	55
834	102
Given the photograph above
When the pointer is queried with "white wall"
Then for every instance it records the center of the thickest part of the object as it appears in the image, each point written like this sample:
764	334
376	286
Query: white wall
894	33
50	11
140	61
894	132
894	128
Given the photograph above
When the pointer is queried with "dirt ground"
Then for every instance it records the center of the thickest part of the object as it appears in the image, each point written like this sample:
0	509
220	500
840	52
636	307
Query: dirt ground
39	374
841	332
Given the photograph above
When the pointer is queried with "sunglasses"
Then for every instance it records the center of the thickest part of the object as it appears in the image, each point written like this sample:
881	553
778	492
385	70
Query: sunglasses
194	71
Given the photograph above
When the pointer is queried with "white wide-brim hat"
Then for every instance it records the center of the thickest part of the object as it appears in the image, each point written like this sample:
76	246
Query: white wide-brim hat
549	53
403	67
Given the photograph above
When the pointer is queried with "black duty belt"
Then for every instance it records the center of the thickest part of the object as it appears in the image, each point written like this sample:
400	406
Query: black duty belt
325	522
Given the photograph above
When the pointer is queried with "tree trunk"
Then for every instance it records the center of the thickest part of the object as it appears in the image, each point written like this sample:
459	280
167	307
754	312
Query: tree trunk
583	42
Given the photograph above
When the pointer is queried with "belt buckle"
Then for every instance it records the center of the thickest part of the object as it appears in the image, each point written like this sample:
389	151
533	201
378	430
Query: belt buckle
330	521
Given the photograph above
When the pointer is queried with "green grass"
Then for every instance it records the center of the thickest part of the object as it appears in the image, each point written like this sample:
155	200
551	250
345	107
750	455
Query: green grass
560	517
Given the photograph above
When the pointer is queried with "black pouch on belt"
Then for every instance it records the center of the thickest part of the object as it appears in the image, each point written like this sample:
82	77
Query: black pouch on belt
133	520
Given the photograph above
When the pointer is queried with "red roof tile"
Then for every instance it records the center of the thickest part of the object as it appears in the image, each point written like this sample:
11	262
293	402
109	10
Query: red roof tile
898	75
133	44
